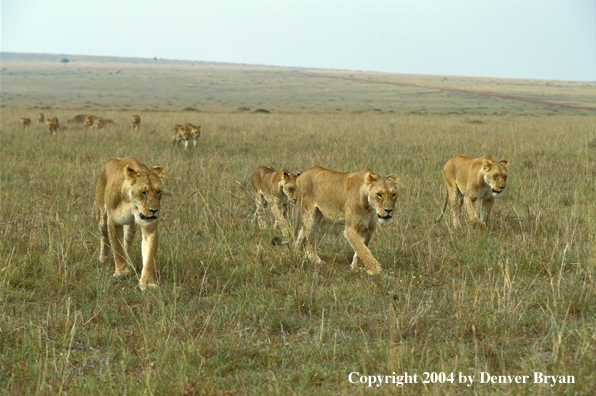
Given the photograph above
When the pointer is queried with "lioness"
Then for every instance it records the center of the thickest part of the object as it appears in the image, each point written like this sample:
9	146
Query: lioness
470	179
25	122
52	124
195	133
88	121
128	194
184	133
41	118
359	200
277	189
136	122
98	123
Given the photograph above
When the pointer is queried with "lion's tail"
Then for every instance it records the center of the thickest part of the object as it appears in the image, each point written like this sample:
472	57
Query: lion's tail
444	207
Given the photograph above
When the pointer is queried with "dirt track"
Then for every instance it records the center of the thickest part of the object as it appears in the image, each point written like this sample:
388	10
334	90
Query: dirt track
462	91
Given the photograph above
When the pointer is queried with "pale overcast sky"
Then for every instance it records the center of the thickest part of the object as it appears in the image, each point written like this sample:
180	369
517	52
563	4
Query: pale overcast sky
542	39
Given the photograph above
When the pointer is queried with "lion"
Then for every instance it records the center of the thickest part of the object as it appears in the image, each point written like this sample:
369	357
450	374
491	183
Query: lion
129	194
52	124
26	123
88	121
359	200
471	179
195	133
184	133
98	123
136	122
276	189
41	118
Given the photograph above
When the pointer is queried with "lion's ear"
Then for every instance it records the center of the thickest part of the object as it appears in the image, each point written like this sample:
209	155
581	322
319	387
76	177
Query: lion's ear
158	170
285	175
487	163
504	162
394	179
370	178
130	173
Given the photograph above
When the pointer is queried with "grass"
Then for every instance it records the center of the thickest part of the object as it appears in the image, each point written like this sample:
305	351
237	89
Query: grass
145	84
235	315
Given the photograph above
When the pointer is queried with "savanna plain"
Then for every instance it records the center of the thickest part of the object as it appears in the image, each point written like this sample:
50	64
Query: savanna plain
234	315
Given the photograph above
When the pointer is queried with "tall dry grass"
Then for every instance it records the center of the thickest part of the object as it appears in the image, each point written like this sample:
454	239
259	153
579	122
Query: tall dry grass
234	315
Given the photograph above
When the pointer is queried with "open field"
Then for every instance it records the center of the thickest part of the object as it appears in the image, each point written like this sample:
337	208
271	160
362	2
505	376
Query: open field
235	315
147	84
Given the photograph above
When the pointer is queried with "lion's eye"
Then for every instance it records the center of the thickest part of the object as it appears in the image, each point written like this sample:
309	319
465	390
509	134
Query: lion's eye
394	195
379	195
159	191
143	193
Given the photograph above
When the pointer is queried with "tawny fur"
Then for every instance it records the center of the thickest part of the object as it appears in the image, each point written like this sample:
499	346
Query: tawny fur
129	194
274	189
184	133
26	122
52	124
359	200
469	180
88	121
136	122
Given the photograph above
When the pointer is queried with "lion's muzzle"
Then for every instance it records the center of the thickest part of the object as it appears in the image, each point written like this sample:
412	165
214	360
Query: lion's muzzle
386	216
151	217
497	193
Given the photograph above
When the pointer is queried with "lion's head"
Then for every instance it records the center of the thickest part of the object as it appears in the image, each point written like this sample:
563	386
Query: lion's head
382	195
145	192
288	183
495	175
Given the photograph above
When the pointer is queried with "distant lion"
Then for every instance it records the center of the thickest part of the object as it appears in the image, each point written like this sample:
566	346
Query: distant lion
53	125
184	133
359	200
276	189
471	179
136	122
195	133
98	123
26	123
88	121
129	194
41	118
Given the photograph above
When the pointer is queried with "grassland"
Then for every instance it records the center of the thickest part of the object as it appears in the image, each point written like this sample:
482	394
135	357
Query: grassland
234	315
147	84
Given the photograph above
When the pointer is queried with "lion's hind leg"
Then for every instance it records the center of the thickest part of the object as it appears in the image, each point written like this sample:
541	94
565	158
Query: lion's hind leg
259	215
310	220
456	199
104	249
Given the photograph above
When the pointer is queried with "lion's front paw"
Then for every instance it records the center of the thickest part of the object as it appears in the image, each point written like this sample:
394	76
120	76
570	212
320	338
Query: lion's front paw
373	269
144	285
121	273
